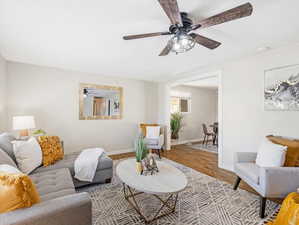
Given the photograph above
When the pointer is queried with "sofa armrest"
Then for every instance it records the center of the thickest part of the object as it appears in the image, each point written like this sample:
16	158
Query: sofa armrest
277	182
161	140
245	157
72	209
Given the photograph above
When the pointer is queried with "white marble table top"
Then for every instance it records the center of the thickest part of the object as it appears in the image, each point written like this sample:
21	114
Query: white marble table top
168	180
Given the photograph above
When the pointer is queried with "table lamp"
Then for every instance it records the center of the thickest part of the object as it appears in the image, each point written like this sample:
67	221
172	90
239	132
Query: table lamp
23	123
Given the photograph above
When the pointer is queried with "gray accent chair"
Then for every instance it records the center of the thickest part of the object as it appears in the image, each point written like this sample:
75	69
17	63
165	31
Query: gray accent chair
269	182
60	204
156	143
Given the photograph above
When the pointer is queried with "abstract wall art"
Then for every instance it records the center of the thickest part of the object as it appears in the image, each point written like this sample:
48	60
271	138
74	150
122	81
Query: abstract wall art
281	90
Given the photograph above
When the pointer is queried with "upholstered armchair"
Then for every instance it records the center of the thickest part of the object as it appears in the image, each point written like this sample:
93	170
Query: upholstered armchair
153	142
269	182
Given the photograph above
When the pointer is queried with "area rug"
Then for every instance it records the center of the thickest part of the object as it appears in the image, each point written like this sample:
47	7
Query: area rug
204	147
205	201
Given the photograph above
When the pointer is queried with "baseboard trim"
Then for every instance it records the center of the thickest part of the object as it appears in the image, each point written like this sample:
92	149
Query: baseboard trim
122	151
186	141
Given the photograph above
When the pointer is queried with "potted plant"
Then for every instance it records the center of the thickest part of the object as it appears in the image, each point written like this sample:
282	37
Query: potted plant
140	152
176	124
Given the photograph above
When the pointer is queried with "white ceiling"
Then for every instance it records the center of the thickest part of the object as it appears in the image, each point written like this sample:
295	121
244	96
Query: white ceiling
210	82
86	35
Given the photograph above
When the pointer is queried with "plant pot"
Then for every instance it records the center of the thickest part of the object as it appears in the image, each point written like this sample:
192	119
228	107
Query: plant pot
139	168
175	136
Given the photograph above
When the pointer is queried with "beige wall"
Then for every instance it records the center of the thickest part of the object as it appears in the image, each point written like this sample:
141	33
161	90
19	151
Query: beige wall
203	110
3	95
51	95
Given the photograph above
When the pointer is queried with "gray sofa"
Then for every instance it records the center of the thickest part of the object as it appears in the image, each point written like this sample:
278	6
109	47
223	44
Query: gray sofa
60	204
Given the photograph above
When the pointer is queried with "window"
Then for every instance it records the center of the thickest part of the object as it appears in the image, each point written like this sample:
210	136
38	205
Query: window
180	104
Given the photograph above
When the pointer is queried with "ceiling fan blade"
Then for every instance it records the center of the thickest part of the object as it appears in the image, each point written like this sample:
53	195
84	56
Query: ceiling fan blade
167	49
171	9
226	16
204	41
137	36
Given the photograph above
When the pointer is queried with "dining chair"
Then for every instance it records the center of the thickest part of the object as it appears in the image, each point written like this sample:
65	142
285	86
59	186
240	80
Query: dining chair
206	134
215	130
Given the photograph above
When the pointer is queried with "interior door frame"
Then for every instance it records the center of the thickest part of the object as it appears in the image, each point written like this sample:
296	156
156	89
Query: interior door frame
202	76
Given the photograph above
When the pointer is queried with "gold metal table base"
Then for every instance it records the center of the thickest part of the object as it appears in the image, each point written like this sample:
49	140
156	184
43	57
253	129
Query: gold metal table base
165	203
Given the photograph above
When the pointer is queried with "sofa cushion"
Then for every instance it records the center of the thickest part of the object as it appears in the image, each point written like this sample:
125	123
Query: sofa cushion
16	191
68	162
51	148
28	154
6	145
151	141
6	159
249	170
53	184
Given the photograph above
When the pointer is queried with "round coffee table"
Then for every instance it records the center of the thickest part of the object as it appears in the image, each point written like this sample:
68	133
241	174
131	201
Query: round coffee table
168	181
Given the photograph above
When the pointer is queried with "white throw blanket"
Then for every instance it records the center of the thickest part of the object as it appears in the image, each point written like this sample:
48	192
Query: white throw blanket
86	163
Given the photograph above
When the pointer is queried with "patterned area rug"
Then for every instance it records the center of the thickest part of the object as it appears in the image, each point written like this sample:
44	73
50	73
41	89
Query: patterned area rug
208	148
205	201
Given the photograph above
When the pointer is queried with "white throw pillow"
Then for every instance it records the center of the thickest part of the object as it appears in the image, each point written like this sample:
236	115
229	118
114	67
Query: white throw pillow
152	131
28	154
5	168
270	154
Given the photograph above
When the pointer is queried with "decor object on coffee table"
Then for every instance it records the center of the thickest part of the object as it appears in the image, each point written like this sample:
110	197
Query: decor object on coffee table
140	152
23	123
169	181
149	164
269	182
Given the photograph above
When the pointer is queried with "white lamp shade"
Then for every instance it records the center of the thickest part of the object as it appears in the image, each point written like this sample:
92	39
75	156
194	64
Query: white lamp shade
23	122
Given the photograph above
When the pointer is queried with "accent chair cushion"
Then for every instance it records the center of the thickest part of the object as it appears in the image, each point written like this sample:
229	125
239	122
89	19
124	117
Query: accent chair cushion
270	154
143	127
51	149
248	170
292	156
28	154
151	141
6	145
6	159
152	131
16	191
53	183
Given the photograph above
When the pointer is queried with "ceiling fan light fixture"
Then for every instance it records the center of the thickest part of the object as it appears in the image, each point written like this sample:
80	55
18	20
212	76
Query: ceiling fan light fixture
182	43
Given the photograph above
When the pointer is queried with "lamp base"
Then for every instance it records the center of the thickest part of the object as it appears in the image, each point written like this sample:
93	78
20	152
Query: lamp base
24	133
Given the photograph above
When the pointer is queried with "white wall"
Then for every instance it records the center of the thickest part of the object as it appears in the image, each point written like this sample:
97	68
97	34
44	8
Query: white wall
245	122
51	95
203	110
3	95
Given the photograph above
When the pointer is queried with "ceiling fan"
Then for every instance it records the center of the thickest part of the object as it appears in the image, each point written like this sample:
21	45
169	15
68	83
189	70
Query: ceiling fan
182	25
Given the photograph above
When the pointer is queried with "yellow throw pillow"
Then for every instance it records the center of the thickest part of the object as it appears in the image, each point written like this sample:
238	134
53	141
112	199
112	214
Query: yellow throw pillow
16	191
292	156
289	211
51	148
143	127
